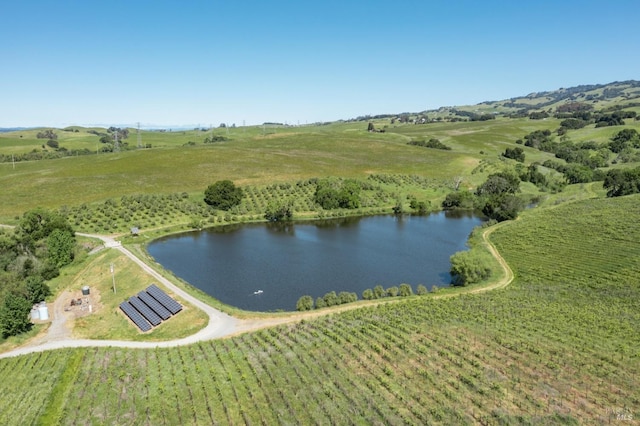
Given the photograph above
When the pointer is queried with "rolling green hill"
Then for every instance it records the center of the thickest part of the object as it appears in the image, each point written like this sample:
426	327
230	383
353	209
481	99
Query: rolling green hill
557	346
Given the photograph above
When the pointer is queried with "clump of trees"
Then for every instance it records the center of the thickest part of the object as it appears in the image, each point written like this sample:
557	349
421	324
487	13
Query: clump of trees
279	211
334	193
223	195
516	153
496	197
33	253
306	303
431	143
469	267
47	134
619	182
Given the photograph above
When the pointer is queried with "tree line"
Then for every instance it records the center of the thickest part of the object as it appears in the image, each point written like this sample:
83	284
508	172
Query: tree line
30	255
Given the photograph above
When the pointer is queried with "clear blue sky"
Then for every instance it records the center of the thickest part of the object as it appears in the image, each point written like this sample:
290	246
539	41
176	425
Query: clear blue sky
173	63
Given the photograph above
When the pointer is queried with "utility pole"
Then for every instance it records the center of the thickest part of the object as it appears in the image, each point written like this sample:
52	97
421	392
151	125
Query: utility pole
113	277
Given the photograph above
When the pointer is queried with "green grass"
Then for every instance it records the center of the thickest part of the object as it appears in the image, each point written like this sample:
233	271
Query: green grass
559	345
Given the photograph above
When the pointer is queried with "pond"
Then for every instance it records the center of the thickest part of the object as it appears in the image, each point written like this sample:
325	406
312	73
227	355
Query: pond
268	267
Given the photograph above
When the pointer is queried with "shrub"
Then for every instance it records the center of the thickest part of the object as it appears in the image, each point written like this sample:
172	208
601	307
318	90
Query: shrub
468	268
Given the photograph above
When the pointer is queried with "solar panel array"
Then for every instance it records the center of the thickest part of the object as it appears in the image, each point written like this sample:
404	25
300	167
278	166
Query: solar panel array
155	305
164	299
146	312
150	307
135	316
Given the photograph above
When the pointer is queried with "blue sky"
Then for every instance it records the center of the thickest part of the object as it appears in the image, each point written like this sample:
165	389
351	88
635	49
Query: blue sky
171	63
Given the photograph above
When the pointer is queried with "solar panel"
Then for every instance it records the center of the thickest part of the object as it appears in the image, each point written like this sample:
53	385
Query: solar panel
154	305
135	316
146	312
164	299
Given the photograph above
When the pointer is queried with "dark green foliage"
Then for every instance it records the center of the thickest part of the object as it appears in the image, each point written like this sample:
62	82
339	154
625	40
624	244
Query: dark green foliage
538	115
333	194
47	134
499	183
421	290
405	290
463	200
223	195
431	143
379	292
619	182
540	139
624	139
320	303
52	143
516	153
573	123
503	207
347	297
614	119
37	289
392	291
279	211
331	299
38	224
305	303
368	294
468	268
420	207
61	246
14	315
497	196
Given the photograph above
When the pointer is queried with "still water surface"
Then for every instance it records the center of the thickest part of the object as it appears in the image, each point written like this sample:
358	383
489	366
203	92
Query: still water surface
264	267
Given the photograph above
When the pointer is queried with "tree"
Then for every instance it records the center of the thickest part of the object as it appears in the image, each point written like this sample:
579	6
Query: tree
279	211
320	303
392	291
463	200
503	207
347	297
405	290
331	298
14	315
619	182
305	303
378	292
623	139
61	246
421	290
370	127
516	153
39	223
468	268
500	183
223	195
368	294
37	289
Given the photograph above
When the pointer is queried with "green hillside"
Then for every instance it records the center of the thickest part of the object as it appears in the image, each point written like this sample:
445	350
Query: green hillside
559	345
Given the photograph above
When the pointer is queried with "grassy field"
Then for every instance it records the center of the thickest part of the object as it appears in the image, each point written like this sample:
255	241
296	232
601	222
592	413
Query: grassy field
558	346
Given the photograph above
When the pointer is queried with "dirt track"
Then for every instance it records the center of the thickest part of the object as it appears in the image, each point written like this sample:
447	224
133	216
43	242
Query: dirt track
220	324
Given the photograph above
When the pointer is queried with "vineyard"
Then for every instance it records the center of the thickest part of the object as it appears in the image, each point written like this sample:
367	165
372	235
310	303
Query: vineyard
560	345
144	211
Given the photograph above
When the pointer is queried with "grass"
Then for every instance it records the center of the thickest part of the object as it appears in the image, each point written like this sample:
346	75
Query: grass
107	322
558	346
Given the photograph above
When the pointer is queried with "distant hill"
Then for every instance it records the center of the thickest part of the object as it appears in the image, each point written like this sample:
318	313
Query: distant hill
612	96
11	129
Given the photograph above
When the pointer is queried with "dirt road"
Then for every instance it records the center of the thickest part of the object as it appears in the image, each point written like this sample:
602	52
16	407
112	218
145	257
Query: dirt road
58	335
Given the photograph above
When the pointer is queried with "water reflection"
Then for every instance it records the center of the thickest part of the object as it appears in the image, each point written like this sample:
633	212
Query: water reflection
269	266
